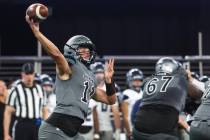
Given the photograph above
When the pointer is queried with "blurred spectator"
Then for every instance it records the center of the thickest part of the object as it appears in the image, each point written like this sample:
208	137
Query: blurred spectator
27	101
3	95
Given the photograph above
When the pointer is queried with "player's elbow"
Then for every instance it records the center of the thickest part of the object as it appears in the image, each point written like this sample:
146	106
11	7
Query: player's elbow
56	54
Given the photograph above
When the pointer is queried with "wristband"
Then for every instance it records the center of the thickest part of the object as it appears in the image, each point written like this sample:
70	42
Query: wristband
110	88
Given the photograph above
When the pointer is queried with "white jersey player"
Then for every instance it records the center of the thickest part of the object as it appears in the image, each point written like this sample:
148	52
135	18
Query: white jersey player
87	128
48	86
134	79
104	126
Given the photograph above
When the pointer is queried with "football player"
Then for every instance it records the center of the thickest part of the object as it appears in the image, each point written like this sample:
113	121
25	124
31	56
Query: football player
48	86
134	92
200	128
87	128
75	85
104	111
163	99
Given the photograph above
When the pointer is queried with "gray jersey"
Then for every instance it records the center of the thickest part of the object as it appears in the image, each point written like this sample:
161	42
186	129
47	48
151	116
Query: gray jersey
73	95
203	111
165	89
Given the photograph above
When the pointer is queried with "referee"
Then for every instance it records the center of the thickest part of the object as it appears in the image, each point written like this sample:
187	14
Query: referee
27	102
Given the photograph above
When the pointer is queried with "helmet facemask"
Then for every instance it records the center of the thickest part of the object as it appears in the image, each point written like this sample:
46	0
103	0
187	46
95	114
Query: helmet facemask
91	52
134	79
74	51
136	84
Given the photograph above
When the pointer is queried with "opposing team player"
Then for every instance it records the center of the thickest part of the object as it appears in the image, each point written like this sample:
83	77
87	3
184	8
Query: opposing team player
87	128
75	85
104	126
134	92
48	86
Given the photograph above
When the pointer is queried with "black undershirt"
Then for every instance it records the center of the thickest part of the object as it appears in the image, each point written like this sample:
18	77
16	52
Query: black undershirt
154	119
68	124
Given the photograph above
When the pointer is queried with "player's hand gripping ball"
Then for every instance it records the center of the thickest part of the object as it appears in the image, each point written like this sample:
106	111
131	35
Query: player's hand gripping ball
37	12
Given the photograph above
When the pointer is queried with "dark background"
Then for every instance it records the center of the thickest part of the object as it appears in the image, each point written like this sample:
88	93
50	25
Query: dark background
117	27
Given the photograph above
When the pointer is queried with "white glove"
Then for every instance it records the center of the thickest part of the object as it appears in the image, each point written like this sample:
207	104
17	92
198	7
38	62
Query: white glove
117	134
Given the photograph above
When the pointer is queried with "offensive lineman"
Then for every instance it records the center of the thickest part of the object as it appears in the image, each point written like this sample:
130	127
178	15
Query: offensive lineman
200	126
75	85
163	99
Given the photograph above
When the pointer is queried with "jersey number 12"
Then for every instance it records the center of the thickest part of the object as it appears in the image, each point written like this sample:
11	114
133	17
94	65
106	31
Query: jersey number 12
86	91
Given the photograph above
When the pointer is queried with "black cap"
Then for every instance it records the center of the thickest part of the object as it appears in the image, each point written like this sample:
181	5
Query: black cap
28	68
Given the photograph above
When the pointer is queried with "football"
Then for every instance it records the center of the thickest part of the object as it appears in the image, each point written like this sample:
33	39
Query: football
38	12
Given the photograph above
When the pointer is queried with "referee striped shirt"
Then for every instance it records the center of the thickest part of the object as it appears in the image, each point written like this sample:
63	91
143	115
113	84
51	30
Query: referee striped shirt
28	101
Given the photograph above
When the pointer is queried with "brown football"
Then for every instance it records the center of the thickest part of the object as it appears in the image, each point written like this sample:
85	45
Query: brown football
38	12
